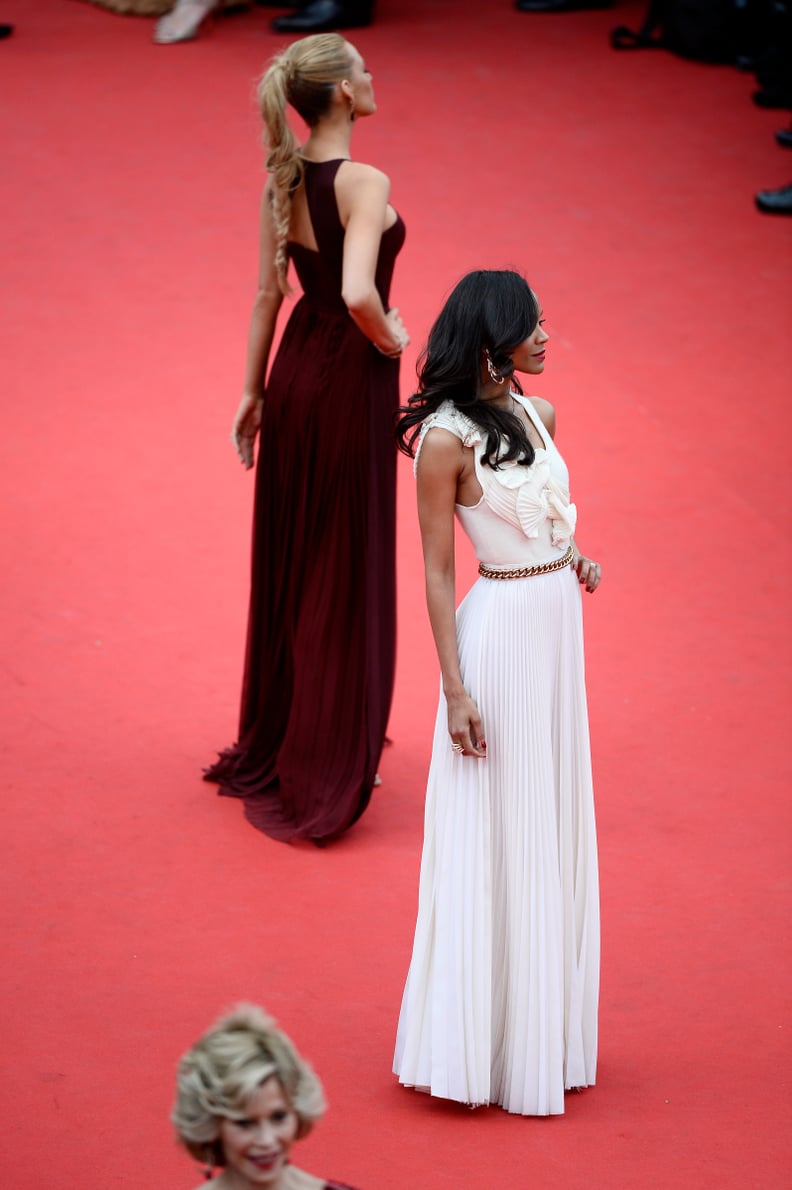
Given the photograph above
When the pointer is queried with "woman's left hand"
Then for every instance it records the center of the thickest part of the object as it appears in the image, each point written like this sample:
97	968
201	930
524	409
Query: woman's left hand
246	427
588	571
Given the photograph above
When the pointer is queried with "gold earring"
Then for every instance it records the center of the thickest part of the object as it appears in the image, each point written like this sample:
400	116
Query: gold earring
494	375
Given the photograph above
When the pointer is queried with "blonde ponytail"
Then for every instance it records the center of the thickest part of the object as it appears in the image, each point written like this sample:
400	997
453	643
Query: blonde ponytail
304	75
283	161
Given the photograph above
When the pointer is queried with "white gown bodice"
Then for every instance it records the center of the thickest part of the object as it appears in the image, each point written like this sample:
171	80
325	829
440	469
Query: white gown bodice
524	516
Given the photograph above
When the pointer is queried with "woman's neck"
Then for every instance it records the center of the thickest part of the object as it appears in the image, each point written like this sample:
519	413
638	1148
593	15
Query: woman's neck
291	1178
498	395
330	139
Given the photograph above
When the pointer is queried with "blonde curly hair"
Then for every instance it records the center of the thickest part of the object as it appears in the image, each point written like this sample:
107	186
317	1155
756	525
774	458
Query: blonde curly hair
304	76
218	1075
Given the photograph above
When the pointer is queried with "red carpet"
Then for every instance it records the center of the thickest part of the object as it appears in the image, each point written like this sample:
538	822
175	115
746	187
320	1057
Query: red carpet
138	904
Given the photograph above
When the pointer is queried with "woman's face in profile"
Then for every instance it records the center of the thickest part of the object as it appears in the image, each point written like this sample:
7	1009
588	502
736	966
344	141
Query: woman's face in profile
256	1144
529	357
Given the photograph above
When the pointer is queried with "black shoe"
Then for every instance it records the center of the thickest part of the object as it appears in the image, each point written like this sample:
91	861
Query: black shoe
772	98
319	16
6	30
775	202
784	137
559	5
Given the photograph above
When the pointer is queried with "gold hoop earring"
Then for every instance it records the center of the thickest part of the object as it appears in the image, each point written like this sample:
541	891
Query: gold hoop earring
495	376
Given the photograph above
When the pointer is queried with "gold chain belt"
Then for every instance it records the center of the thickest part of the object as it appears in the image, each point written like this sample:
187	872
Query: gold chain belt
529	571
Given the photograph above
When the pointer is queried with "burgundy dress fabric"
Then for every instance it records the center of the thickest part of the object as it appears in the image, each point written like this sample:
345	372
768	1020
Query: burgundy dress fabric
322	624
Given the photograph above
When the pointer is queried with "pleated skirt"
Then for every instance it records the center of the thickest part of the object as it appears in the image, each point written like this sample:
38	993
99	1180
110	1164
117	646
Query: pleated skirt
500	1003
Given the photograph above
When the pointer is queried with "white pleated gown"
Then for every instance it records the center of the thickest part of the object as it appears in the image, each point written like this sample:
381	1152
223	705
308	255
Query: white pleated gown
500	1003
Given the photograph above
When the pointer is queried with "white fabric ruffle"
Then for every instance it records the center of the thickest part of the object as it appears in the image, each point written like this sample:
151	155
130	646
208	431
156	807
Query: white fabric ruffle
524	497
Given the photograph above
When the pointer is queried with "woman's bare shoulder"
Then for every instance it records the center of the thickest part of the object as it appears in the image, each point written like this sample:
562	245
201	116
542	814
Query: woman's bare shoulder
361	169
441	445
354	175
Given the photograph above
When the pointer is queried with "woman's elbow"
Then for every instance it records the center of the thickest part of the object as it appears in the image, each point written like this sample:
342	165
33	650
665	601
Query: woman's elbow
268	299
357	298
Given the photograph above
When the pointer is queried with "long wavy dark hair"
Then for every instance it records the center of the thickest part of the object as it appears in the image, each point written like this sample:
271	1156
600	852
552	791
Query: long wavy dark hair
492	310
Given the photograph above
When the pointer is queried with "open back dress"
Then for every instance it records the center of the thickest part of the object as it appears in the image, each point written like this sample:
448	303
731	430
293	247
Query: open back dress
321	628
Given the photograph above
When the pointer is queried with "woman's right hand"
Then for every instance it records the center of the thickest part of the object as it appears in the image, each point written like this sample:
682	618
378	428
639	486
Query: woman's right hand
464	727
398	330
246	427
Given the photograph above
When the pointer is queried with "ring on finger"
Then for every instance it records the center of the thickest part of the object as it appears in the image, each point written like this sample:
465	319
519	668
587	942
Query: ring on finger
456	747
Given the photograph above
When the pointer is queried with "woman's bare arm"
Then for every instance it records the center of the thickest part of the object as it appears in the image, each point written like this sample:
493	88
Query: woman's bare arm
261	332
362	194
440	466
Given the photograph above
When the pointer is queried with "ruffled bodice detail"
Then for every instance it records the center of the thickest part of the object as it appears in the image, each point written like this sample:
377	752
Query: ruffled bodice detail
527	497
533	500
448	417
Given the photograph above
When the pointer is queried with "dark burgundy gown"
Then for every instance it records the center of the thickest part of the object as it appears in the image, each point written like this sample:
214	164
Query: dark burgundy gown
322	624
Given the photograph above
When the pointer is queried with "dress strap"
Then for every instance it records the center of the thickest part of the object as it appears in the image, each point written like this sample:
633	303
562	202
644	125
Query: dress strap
538	424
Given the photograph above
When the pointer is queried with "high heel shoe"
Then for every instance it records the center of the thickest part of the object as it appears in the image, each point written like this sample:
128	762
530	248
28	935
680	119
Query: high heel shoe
183	21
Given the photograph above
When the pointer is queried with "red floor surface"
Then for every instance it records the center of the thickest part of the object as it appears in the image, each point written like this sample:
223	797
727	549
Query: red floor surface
138	904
